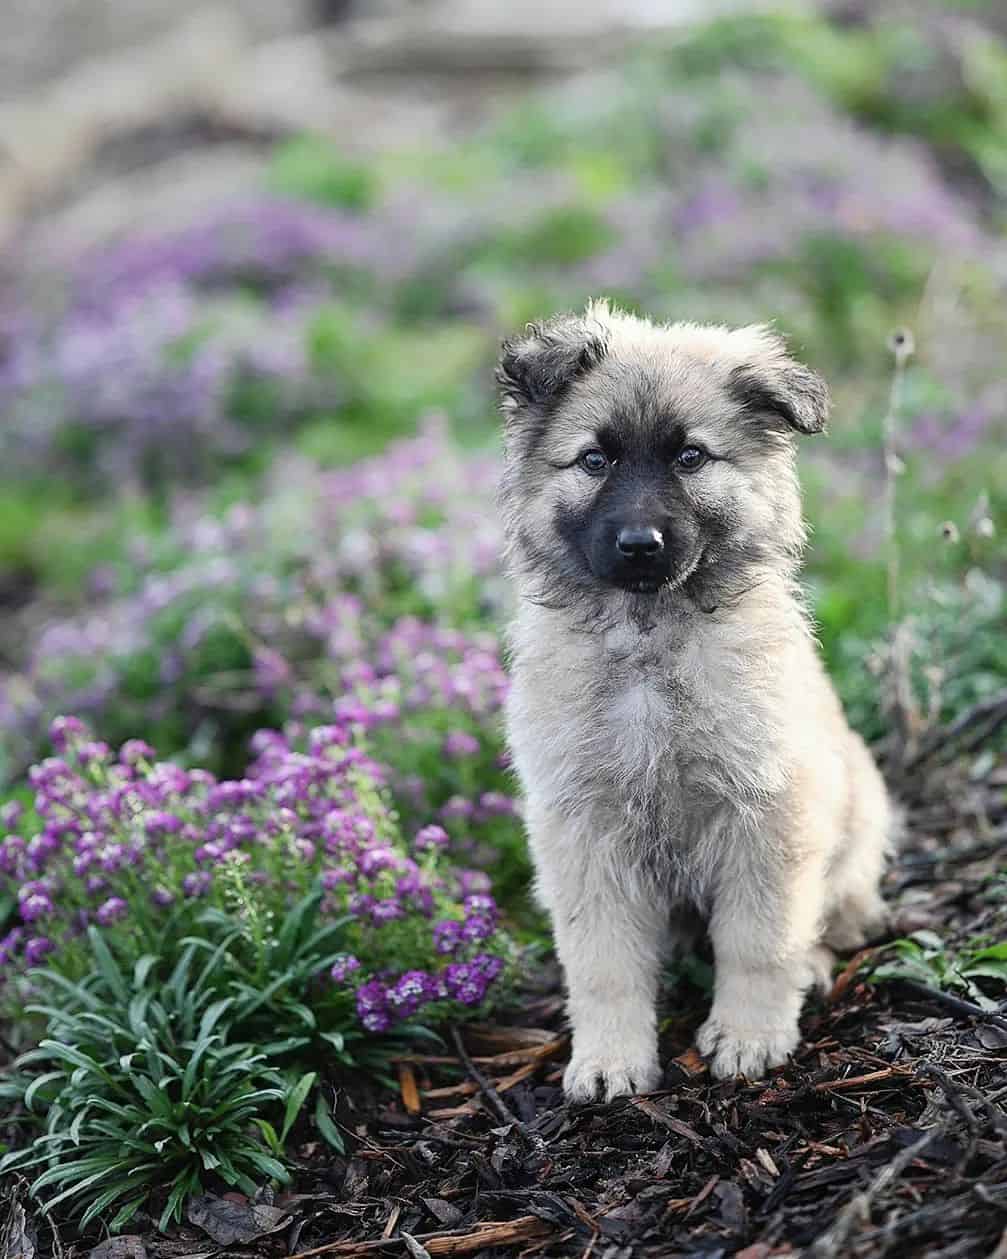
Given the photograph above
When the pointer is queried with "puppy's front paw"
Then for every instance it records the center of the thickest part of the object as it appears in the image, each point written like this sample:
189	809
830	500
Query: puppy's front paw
749	1051
604	1076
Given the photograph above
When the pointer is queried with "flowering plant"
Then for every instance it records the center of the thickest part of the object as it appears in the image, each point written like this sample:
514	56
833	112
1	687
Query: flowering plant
151	854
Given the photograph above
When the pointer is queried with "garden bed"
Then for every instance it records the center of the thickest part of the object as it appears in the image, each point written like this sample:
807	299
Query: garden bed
886	1134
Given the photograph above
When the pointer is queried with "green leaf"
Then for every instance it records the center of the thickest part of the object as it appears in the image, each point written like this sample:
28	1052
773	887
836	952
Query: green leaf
991	970
126	1212
39	1082
73	1190
268	1166
269	1132
142	968
106	1199
323	1122
69	1053
106	964
192	1066
187	1185
78	1121
294	1103
302	915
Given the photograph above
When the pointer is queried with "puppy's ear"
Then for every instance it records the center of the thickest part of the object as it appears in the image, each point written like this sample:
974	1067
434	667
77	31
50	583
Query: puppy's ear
773	384
537	367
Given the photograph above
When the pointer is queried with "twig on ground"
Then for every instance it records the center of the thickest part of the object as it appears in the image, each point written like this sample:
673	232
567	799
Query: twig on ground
854	1081
479	1237
493	1098
407	1087
957	1005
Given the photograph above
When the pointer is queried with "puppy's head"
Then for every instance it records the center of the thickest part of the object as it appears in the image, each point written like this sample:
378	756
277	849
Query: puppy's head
648	459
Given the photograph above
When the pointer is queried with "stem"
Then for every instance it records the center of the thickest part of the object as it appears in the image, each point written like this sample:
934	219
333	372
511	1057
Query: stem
901	346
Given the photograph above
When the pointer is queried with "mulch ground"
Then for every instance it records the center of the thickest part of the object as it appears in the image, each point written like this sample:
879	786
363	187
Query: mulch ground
885	1135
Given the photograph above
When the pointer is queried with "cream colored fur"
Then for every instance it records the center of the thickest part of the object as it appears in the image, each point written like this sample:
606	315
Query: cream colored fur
702	762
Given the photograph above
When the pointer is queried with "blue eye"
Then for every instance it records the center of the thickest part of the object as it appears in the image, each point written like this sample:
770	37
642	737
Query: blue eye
689	458
594	462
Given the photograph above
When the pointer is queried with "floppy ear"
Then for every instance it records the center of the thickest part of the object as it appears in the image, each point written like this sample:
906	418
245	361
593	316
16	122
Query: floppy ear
538	366
776	385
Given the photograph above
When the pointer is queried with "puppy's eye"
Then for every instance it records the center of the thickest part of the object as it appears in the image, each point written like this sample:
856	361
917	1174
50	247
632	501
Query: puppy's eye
689	458
594	462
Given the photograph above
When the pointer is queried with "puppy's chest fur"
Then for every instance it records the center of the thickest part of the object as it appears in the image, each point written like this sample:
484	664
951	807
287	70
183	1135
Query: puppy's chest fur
661	737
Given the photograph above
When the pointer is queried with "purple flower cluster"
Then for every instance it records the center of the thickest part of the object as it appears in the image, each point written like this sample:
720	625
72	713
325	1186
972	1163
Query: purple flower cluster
382	1003
329	643
151	383
125	839
269	244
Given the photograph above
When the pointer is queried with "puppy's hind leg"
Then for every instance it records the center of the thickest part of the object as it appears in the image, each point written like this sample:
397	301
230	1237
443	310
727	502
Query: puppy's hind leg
608	927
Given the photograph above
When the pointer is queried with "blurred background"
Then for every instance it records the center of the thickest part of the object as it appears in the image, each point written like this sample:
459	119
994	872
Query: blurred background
255	261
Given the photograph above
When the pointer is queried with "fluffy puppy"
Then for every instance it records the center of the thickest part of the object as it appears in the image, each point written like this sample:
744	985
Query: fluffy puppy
682	752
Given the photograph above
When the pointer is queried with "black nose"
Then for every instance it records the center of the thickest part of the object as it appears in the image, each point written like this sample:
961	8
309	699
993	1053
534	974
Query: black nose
640	543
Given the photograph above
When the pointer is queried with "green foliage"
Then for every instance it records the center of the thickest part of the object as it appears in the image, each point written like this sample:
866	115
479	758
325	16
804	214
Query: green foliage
561	237
313	168
923	958
385	377
143	1092
957	652
959	97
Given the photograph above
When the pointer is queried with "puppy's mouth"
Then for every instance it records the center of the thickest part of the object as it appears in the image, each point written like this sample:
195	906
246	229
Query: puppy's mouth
643	585
653	583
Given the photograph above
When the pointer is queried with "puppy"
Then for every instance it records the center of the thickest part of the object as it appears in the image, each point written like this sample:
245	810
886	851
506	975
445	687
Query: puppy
681	750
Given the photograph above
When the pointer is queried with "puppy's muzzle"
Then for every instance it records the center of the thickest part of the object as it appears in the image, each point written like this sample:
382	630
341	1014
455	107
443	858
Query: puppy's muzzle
639	559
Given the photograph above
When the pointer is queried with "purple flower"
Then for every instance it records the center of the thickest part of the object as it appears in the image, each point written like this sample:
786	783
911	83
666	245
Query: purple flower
464	983
487	965
197	884
410	991
457	809
460	744
361	905
374	860
135	750
477	927
447	936
480	903
390	910
331	879
373	1006
63	730
473	881
36	949
431	839
112	910
160	823
11	812
376	1020
343	967
496	804
9	945
34	906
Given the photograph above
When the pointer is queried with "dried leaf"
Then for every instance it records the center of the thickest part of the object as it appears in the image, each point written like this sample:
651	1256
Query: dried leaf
17	1236
228	1222
413	1246
443	1212
128	1246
